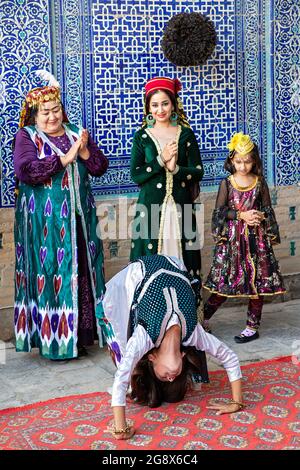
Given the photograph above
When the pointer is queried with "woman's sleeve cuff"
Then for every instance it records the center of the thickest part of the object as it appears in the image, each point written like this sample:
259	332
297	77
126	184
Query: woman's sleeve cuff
159	159
176	170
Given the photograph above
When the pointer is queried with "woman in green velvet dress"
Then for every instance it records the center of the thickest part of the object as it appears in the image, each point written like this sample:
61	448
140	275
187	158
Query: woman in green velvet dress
166	164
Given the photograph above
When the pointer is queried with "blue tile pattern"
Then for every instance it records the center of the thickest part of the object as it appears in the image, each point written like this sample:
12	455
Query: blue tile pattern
287	91
24	48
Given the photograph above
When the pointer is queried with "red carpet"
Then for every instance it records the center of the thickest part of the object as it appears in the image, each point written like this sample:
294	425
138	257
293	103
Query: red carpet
270	421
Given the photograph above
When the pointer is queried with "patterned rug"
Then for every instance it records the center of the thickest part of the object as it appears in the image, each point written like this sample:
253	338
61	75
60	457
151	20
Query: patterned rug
271	419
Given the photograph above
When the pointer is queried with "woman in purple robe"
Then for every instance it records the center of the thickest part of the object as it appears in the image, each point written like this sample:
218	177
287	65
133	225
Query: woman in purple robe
59	282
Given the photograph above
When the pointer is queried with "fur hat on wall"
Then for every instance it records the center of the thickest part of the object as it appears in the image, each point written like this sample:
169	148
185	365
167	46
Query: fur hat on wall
189	39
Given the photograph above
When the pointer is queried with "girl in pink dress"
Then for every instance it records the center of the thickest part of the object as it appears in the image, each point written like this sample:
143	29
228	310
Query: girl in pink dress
244	228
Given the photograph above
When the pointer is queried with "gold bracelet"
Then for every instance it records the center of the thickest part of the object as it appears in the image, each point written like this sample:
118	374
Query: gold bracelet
238	215
121	431
241	405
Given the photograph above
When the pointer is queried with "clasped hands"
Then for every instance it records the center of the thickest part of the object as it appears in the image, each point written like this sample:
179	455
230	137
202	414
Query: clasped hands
252	217
169	155
78	148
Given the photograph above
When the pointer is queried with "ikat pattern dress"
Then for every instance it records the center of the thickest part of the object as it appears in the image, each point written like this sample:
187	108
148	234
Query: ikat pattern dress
53	212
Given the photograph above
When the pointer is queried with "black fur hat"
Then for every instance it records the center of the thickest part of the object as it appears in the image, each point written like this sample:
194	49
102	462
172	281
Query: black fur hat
189	39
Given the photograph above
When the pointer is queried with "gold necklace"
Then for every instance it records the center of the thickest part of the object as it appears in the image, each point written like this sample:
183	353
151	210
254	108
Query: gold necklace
243	188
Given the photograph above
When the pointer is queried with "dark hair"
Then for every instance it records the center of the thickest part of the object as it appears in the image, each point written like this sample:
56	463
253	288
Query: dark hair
257	168
32	115
152	93
148	390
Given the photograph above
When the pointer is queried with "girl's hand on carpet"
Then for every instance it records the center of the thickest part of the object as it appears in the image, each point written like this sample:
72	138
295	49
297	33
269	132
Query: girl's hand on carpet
223	408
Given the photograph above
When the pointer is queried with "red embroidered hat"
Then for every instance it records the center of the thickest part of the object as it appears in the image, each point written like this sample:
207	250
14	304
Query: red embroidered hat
39	95
163	83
